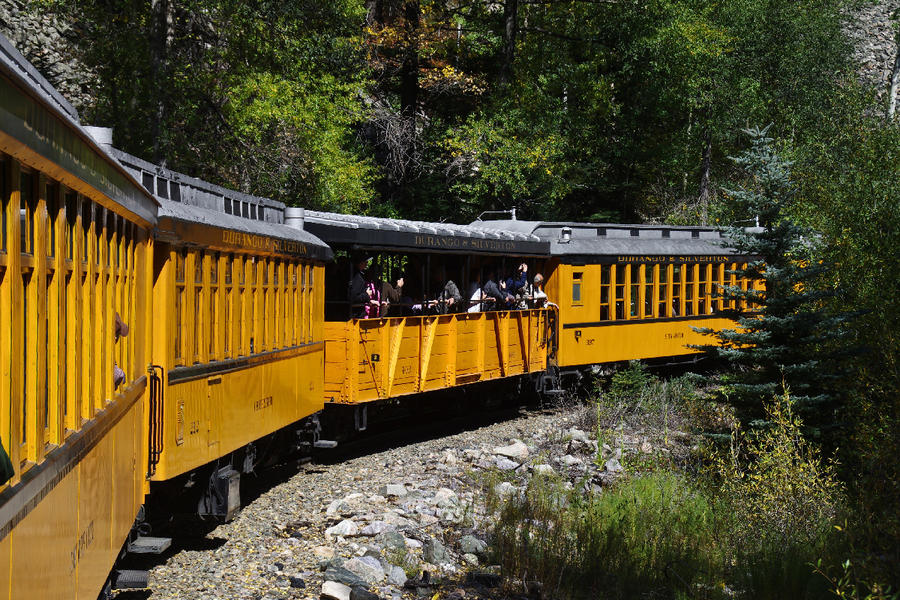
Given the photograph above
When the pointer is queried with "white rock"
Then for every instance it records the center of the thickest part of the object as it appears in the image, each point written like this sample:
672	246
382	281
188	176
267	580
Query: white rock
353	497
376	499
376	527
570	461
578	435
516	450
367	567
332	590
470	559
544	470
412	543
393	489
504	464
505	489
337	506
397	577
448	458
344	528
613	465
445	497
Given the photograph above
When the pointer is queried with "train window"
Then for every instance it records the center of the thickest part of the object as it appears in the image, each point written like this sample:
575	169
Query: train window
86	220
26	279
245	209
663	290
260	213
71	218
162	188
175	191
110	234
648	290
634	279
576	288
704	284
98	233
677	311
27	205
604	292
179	303
618	274
229	300
227	206
310	286
213	303
688	290
733	282
253	211
147	180
198	321
52	214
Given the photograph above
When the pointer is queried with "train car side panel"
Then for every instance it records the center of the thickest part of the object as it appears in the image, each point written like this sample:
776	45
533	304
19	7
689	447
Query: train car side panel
376	359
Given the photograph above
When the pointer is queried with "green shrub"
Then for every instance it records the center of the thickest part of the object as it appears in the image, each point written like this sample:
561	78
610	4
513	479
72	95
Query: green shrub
651	535
778	503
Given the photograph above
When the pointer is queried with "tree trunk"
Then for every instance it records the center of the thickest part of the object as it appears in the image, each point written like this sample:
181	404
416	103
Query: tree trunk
159	36
895	81
704	178
510	31
409	72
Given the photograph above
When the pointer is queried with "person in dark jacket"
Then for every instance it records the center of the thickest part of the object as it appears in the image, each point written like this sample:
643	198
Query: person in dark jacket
357	290
391	295
519	282
492	290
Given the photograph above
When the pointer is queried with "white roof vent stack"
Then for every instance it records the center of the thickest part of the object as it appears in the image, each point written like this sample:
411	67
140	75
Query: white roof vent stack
565	235
294	216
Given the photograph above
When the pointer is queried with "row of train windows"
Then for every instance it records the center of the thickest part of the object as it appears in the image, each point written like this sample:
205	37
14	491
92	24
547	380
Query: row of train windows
64	322
68	206
659	291
236	305
171	190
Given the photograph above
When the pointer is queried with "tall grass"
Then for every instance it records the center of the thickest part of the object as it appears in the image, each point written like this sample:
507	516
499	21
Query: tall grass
752	528
651	536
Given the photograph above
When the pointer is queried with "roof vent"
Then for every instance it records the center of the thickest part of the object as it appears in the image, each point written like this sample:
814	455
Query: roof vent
294	216
565	235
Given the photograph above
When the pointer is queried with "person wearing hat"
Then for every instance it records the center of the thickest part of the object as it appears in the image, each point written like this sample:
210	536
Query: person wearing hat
358	289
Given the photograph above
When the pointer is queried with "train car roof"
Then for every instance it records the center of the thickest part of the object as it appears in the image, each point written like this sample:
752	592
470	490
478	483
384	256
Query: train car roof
34	114
375	233
202	227
622	240
199	219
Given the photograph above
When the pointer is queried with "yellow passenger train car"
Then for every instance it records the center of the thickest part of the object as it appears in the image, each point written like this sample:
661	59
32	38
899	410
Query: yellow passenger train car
629	292
238	334
410	351
75	274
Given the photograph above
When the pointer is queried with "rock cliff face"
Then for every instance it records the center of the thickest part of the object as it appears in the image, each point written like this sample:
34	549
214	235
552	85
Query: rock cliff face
47	40
874	34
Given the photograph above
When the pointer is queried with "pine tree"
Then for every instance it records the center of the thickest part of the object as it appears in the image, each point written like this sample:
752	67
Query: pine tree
786	338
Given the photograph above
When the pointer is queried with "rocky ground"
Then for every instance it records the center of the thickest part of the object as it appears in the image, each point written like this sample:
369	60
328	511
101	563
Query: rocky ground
408	522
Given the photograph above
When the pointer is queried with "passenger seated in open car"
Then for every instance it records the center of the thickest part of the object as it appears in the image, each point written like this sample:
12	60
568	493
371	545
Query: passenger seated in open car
448	299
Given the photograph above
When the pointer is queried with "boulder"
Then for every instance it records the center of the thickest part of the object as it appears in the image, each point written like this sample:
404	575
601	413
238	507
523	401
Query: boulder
337	572
332	590
505	464
397	490
397	577
376	528
469	544
517	450
344	528
543	470
367	568
434	552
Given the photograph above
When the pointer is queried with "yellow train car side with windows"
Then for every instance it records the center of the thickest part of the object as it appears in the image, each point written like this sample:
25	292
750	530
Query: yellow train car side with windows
629	292
75	251
238	324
